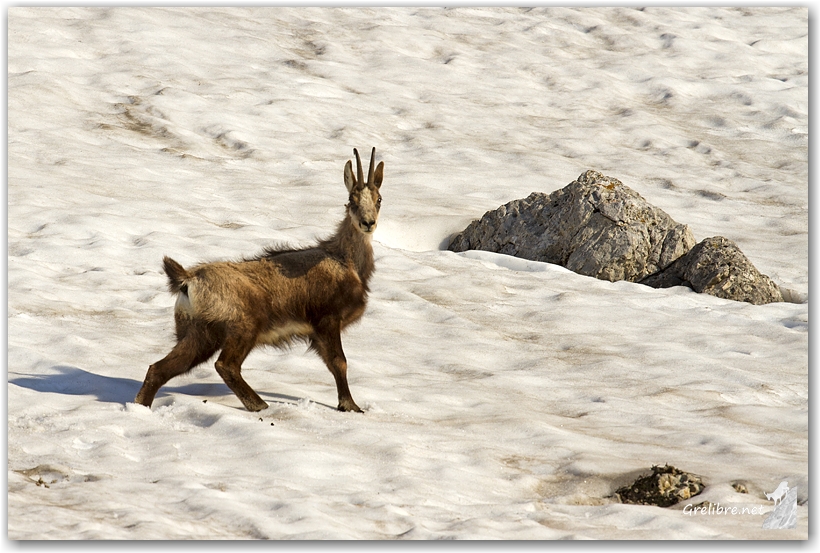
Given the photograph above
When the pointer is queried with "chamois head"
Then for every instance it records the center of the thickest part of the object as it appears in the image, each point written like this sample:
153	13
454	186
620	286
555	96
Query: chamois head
365	200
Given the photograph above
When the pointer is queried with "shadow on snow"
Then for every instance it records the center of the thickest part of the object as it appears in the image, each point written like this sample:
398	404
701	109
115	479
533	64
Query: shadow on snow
74	381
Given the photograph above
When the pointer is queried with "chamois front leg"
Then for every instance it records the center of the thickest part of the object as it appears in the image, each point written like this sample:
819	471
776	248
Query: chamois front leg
229	366
327	341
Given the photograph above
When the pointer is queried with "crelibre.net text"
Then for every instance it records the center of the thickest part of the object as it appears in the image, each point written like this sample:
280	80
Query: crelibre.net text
717	509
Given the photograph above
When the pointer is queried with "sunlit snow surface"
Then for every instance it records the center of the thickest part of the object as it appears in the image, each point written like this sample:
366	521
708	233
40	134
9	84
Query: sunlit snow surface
504	398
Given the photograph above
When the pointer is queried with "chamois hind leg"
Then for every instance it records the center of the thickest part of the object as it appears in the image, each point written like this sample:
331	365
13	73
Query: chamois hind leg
191	350
327	342
229	366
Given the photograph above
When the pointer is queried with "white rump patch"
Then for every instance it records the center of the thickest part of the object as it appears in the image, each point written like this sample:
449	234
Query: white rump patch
284	333
183	303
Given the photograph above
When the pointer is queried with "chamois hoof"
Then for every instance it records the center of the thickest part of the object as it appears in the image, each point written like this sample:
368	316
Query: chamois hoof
142	399
349	406
254	406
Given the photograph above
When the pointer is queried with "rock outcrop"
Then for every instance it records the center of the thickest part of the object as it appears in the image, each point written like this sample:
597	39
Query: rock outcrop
595	226
716	266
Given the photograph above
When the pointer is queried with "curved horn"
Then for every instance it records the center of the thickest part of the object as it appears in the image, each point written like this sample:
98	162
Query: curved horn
372	162
359	175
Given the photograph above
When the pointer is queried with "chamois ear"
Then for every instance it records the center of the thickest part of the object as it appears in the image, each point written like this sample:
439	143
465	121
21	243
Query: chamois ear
350	180
379	175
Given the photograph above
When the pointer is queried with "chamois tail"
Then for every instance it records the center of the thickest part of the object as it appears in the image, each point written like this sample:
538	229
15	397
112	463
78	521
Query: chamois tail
177	275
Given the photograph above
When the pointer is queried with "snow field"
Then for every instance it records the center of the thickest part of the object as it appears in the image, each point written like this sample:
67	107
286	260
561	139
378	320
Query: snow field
505	399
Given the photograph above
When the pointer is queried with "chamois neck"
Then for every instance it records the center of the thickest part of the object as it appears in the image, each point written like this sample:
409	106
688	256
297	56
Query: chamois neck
353	247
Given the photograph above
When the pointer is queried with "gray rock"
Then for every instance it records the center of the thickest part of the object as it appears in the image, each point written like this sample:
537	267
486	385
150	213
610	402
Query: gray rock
595	226
716	266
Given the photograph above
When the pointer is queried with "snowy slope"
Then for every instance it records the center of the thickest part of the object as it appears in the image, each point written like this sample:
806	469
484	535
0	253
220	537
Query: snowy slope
504	399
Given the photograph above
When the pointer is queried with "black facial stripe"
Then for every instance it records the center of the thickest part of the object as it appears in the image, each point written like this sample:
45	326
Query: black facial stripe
355	200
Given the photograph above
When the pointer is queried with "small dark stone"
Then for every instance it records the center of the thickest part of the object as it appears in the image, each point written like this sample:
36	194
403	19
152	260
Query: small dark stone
664	487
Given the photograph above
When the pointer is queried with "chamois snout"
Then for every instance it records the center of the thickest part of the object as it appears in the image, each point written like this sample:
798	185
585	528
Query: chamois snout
364	210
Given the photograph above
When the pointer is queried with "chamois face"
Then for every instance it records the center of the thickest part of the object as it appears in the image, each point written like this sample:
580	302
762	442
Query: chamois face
365	200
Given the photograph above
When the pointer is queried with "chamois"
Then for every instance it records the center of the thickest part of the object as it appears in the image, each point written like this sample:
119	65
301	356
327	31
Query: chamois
275	298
